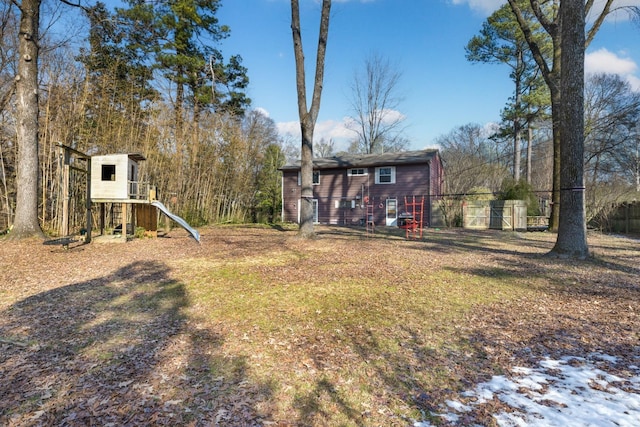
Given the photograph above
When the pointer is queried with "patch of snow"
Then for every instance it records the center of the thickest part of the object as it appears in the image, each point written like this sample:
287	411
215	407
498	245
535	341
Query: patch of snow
605	357
570	391
457	406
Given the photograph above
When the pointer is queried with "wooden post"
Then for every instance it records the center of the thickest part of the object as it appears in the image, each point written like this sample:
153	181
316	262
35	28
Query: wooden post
102	216
89	225
627	217
64	231
124	222
66	194
133	218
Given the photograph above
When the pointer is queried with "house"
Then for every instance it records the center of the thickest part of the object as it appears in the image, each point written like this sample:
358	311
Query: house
345	186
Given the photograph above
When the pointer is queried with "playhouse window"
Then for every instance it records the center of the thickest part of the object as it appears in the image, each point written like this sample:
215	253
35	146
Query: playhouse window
108	172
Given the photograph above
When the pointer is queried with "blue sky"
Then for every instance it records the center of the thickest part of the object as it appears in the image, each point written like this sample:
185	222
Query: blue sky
424	39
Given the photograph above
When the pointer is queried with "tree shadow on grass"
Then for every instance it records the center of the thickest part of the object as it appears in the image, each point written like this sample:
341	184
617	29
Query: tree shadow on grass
311	407
116	350
417	374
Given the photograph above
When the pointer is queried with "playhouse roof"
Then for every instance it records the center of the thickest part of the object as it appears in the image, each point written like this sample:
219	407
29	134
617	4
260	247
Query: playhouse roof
136	157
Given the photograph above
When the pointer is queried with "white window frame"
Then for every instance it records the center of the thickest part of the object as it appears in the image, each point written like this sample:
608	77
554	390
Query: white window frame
391	175
350	172
315	173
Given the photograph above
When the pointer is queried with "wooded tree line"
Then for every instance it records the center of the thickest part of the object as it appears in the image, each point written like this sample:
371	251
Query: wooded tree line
480	162
150	80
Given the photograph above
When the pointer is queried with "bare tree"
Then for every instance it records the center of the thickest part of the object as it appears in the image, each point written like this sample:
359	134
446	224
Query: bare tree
612	110
324	148
26	215
473	166
308	117
27	114
471	160
375	101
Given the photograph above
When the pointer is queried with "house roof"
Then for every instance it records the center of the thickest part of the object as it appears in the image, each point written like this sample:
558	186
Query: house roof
367	160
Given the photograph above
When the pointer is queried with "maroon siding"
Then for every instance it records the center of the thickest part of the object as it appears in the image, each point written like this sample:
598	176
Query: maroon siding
337	191
290	196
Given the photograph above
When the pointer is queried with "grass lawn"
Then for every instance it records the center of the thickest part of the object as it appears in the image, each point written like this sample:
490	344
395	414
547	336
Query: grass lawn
257	327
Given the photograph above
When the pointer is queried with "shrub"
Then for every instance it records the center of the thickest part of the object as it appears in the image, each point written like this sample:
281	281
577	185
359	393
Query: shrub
520	190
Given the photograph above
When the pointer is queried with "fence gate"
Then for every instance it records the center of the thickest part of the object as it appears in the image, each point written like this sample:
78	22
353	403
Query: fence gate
475	215
495	214
501	217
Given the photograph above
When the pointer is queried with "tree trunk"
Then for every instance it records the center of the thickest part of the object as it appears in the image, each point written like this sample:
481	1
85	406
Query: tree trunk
517	151
308	118
26	215
556	119
572	230
306	181
517	129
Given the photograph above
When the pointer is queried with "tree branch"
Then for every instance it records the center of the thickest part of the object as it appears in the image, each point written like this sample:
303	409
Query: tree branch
528	35
320	58
78	4
598	22
299	56
551	26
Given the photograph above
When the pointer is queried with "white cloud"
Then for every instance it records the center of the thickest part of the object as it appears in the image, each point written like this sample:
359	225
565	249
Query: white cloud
490	128
289	128
634	82
328	129
392	116
486	7
335	130
262	111
603	61
340	131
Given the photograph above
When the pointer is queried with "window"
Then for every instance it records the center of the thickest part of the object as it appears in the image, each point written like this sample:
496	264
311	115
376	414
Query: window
345	204
386	175
356	171
108	172
315	179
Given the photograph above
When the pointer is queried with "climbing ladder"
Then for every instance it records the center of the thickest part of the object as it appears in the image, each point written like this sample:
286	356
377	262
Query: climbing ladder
414	225
371	226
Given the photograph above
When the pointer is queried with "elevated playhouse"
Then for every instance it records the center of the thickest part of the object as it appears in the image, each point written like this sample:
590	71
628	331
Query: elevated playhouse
113	180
